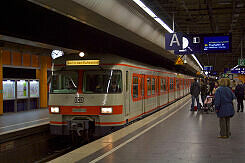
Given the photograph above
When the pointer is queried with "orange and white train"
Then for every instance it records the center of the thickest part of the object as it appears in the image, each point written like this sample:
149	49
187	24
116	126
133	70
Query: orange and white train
101	92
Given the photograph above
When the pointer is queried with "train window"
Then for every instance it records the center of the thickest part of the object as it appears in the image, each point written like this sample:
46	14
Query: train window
177	84
135	86
162	85
106	81
127	81
64	82
165	85
153	85
142	87
171	84
148	86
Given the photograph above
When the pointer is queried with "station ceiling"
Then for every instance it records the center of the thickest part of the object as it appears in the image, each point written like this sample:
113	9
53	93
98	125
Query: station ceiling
206	16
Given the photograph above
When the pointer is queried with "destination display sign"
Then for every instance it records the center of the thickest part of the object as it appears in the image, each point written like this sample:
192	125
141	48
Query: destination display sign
238	71
82	62
208	68
198	43
216	43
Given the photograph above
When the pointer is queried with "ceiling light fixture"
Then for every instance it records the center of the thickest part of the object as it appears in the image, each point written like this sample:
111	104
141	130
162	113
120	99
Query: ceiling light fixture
153	15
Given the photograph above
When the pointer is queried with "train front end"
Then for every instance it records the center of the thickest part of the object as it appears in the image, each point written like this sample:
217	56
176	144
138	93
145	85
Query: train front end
85	100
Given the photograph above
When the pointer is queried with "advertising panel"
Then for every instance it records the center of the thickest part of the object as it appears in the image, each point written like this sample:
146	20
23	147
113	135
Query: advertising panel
8	89
22	89
34	88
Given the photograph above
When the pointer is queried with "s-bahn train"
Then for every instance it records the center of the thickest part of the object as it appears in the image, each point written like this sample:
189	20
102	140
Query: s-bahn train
97	93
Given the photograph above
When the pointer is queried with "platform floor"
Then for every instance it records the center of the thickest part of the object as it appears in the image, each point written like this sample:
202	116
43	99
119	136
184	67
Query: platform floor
184	137
10	122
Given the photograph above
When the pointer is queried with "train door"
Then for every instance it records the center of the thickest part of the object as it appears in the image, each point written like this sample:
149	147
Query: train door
136	102
142	91
158	91
127	94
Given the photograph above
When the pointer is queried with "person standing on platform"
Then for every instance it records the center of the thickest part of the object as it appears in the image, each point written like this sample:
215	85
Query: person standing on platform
224	107
233	86
204	91
216	86
239	92
211	86
195	91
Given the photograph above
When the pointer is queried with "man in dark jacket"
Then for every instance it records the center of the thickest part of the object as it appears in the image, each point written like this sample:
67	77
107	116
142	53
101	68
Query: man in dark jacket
239	92
195	91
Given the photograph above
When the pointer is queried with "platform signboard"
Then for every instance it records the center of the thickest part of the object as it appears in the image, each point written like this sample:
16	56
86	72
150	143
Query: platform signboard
208	68
241	62
238	71
198	43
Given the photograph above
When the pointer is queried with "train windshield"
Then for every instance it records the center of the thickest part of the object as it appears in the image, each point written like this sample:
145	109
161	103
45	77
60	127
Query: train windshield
106	81
64	82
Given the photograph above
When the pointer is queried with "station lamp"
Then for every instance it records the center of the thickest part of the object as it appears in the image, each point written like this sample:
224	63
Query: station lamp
56	54
81	54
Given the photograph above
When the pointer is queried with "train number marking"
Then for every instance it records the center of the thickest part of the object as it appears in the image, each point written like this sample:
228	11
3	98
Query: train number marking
79	99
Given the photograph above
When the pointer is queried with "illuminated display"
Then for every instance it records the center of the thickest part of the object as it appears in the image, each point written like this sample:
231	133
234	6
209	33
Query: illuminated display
208	68
8	89
82	62
216	43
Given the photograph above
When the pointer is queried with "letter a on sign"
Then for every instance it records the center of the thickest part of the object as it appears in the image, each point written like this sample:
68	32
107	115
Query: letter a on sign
173	41
179	61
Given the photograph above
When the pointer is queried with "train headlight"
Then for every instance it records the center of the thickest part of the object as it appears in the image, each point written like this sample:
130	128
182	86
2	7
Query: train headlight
106	110
55	110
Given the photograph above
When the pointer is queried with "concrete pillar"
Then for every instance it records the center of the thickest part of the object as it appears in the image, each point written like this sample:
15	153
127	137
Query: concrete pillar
1	81
43	82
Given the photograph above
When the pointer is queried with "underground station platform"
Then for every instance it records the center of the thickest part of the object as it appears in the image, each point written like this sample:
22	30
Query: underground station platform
174	134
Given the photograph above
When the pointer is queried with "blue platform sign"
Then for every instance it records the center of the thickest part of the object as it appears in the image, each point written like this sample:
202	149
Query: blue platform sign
208	68
198	43
191	45
216	43
173	41
238	71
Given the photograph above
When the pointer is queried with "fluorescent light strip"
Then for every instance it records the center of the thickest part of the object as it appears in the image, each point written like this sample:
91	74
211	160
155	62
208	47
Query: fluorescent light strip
234	67
197	61
148	11
165	26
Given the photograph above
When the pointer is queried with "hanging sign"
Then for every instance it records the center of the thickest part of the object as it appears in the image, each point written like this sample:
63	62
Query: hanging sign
179	61
198	43
241	62
82	62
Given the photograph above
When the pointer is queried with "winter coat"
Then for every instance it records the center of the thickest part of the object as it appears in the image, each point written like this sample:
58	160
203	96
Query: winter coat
223	102
239	91
195	89
204	89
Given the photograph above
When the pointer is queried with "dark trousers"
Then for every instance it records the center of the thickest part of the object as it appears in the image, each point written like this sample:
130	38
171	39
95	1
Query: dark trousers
224	126
239	104
203	99
193	98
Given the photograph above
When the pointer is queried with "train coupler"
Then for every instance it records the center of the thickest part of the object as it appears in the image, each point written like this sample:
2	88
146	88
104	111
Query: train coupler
79	126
